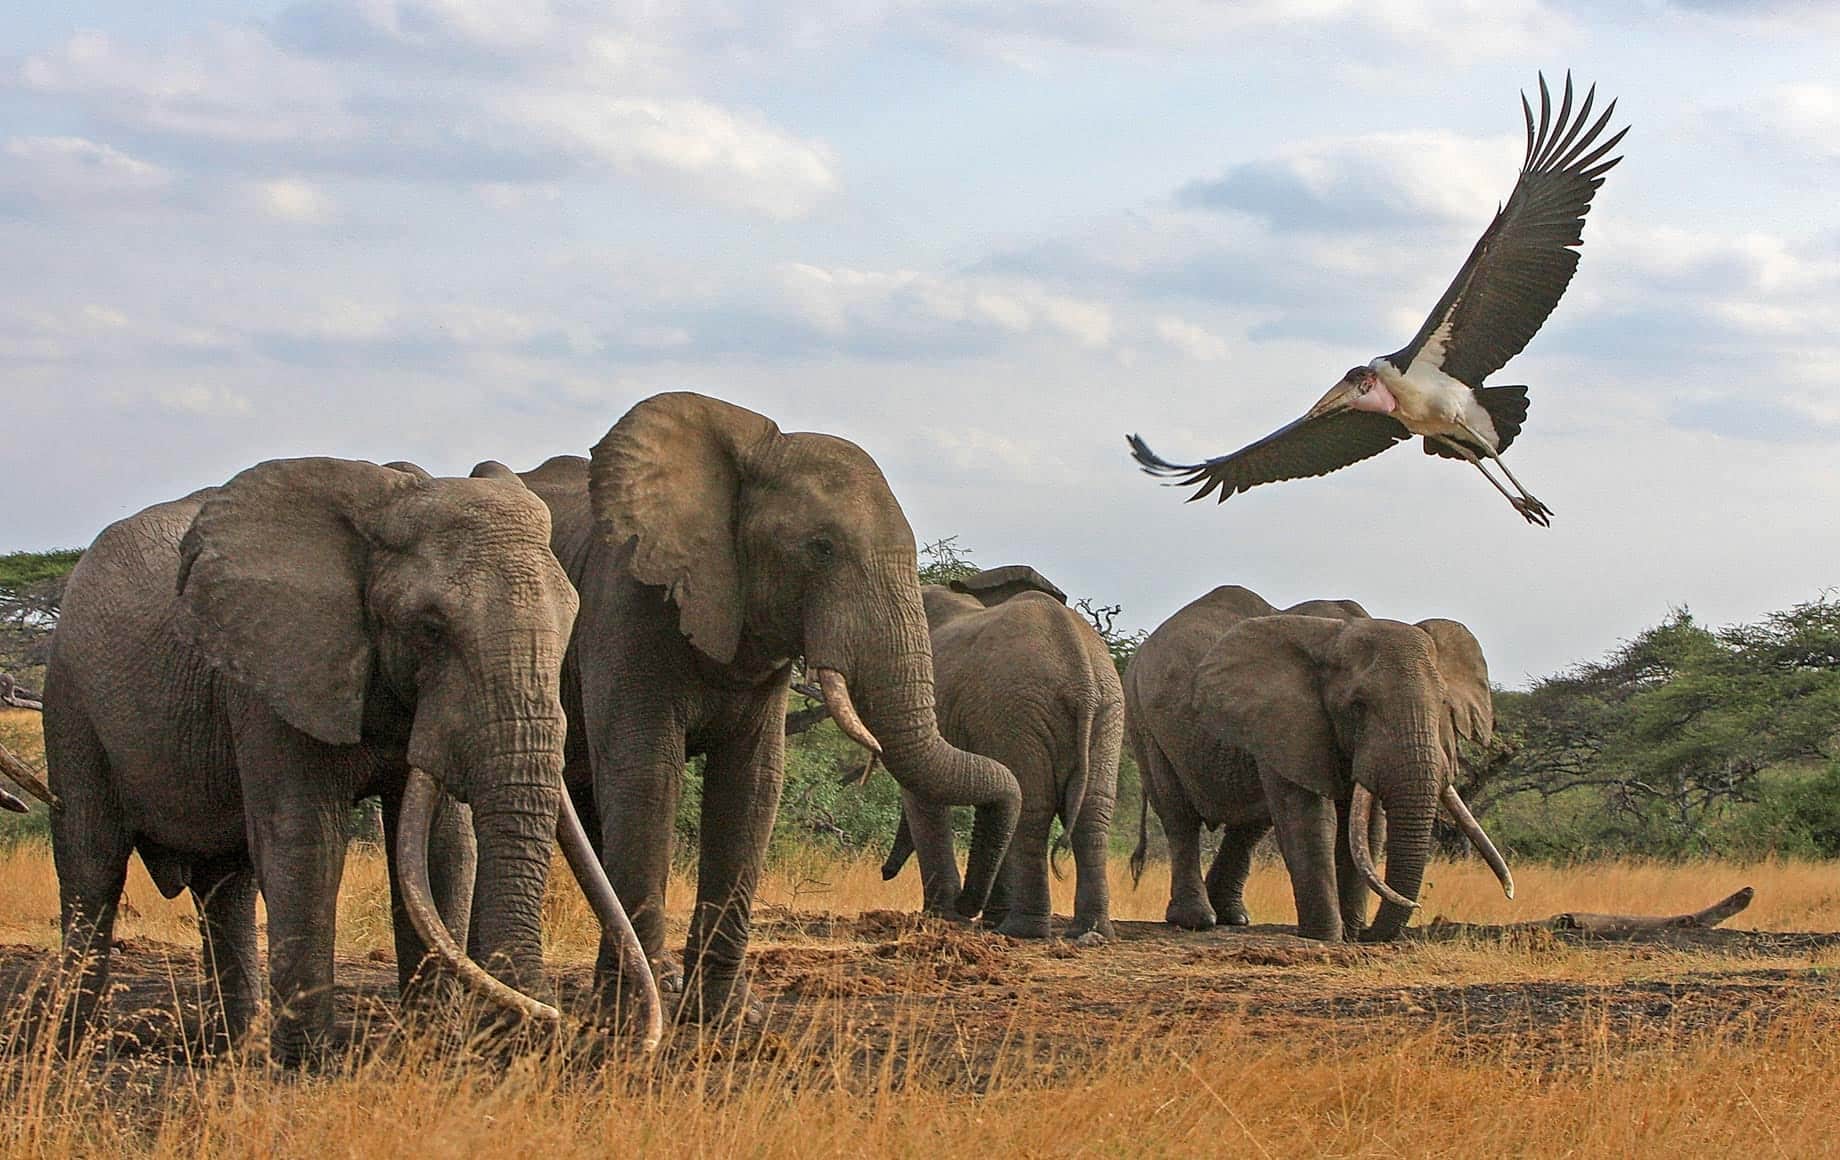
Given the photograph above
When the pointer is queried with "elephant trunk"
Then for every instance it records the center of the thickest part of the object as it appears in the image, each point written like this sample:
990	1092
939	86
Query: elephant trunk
881	676
419	798
1408	791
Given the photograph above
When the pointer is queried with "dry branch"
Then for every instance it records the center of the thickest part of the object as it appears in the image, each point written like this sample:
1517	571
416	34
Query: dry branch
27	779
1705	919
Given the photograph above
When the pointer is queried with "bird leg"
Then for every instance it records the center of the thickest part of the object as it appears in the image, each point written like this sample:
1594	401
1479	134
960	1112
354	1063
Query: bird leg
1531	509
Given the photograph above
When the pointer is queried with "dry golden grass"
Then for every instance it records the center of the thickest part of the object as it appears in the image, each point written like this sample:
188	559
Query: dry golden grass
1422	1093
1124	1070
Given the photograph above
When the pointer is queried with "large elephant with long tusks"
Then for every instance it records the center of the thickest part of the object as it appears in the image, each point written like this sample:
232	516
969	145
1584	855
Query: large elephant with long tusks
1320	722
710	550
234	669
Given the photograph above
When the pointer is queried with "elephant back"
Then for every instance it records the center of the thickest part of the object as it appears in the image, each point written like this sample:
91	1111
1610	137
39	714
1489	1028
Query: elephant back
993	586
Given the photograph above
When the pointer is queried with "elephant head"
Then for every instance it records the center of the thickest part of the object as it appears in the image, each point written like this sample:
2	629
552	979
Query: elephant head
1363	710
424	616
774	545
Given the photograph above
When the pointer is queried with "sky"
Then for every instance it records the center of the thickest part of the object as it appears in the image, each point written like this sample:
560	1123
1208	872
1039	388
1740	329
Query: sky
982	240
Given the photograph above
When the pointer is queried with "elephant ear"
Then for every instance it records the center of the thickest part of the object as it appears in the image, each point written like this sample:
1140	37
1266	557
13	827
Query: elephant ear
993	586
271	573
667	480
1260	686
1466	679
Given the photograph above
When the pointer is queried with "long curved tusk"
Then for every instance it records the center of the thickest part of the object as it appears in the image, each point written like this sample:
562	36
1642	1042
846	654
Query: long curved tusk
837	697
613	918
412	859
1360	812
1478	838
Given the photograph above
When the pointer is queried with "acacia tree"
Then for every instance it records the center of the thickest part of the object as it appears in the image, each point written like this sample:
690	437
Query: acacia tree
31	594
1675	731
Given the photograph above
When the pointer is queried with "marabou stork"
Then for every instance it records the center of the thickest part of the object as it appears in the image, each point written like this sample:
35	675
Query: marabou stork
1433	386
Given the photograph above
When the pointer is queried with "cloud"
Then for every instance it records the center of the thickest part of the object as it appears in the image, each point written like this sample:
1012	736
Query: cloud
1378	181
234	97
1194	341
51	173
292	200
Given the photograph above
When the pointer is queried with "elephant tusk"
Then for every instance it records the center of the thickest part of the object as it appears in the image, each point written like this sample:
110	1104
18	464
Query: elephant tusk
1479	839
613	918
412	858
1360	813
837	698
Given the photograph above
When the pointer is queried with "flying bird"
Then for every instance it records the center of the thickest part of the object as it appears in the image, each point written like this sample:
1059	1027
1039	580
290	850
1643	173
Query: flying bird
1433	385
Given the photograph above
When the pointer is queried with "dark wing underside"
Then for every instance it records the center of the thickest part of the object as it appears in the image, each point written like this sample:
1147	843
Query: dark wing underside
1525	259
1296	450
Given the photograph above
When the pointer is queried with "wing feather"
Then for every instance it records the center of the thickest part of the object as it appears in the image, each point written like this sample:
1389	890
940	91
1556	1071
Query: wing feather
1297	450
1523	262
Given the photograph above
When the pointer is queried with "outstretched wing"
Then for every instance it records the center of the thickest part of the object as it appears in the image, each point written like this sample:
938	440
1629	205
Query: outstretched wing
1525	259
1299	449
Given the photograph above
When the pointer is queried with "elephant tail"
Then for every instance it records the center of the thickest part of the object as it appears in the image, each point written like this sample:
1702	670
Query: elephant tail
1074	796
1141	855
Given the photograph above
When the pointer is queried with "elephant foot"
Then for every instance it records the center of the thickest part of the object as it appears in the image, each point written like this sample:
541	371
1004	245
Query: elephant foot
1235	915
669	974
1091	938
720	1004
1084	926
947	914
1188	914
1321	934
1032	926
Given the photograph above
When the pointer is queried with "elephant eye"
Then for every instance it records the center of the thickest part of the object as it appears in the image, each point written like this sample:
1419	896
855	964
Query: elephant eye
822	550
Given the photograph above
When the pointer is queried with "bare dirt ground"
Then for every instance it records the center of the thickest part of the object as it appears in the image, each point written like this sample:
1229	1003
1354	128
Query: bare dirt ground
890	996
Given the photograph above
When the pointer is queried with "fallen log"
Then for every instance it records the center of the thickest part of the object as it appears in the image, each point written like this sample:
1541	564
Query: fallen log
27	779
16	696
1615	924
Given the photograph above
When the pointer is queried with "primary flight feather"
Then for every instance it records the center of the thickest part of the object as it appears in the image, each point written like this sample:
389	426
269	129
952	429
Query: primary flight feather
1432	386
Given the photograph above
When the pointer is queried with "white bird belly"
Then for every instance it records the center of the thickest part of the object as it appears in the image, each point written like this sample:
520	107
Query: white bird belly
1433	403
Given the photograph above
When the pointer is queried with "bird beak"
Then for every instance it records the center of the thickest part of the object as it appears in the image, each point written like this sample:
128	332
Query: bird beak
1341	397
1347	396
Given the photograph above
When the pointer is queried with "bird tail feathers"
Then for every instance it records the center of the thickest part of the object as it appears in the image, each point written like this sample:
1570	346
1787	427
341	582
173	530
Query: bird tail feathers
1507	408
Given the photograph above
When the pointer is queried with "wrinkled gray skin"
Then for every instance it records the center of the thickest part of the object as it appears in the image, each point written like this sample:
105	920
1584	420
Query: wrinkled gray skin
233	669
1248	718
1024	679
710	549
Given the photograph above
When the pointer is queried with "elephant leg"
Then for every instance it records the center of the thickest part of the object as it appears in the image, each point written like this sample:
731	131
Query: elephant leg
741	785
453	856
224	891
90	844
1306	835
1025	867
1092	890
637	749
296	792
1351	889
1188	904
929	824
1226	876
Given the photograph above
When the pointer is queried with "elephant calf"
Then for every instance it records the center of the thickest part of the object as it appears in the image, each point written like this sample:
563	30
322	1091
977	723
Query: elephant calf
1024	679
1246	717
233	669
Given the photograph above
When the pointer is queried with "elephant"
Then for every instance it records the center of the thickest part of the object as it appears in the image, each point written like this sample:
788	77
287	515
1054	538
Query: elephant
1249	718
1024	679
233	669
710	550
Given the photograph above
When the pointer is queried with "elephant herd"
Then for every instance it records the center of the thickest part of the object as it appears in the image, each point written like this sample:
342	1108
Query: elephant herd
509	659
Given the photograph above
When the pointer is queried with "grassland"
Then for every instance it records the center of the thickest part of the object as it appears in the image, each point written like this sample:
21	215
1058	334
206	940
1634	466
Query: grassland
890	1036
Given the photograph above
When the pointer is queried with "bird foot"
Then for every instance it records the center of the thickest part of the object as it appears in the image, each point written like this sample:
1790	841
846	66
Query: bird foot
1532	510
